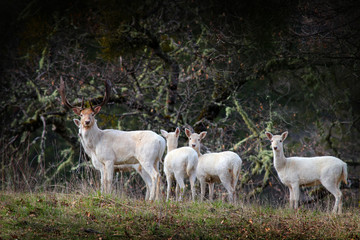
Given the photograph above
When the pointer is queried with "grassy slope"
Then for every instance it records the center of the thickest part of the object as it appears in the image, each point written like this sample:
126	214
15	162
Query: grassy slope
63	216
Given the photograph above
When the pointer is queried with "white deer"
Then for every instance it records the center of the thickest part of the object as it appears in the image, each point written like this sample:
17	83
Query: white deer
111	148
123	167
180	163
308	171
213	168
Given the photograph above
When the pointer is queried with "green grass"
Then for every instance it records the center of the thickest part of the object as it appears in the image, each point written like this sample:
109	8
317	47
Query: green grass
70	216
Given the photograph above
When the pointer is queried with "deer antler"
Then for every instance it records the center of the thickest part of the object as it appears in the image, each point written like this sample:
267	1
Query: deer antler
107	93
91	106
63	96
66	102
82	104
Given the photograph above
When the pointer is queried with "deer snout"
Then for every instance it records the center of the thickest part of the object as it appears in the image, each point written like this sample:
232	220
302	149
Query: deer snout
87	122
275	148
193	145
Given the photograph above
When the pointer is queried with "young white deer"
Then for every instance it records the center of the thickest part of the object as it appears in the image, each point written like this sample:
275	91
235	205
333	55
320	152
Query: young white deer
111	148
212	168
179	162
308	171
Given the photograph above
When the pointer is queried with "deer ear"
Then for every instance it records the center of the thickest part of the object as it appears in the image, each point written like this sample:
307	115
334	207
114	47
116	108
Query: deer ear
164	133
97	109
177	132
77	122
187	132
77	111
284	135
269	135
202	135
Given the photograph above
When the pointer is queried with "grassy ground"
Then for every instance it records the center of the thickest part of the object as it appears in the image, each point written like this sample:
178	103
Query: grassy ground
64	216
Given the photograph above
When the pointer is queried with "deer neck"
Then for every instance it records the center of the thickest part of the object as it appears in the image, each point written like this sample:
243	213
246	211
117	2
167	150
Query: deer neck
279	159
198	151
91	136
171	146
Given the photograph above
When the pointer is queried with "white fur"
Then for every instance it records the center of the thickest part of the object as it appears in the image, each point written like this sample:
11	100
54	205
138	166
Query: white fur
308	171
123	167
110	149
221	167
180	163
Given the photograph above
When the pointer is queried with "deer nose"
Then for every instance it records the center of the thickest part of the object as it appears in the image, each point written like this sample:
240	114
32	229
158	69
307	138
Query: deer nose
193	145
87	122
275	148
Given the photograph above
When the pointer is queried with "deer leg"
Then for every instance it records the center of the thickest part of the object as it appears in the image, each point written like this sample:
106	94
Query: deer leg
154	175
108	176
335	190
192	185
102	183
202	189
230	191
168	180
291	201
147	179
158	182
226	181
180	183
234	183
211	191
296	195
177	191
99	166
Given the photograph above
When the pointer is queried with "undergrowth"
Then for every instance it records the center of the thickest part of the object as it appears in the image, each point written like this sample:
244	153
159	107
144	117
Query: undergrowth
95	216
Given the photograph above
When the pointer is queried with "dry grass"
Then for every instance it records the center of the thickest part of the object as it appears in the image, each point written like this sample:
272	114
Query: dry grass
93	216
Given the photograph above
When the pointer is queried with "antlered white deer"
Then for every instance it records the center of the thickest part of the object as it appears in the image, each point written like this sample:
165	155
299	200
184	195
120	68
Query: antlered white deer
123	167
180	163
112	148
308	171
221	167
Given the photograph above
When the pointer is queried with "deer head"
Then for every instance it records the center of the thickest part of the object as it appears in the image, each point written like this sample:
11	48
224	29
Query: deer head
195	139
171	138
277	140
87	115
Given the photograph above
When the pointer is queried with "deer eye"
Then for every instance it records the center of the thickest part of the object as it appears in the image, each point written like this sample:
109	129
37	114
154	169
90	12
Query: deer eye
81	115
280	140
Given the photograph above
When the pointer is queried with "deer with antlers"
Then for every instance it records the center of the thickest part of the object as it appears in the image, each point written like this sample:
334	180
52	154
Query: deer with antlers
111	149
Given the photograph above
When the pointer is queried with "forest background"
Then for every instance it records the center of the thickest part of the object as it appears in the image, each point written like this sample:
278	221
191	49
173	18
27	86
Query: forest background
231	68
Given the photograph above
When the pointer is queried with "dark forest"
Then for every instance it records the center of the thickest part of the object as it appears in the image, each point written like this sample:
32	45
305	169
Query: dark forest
232	68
